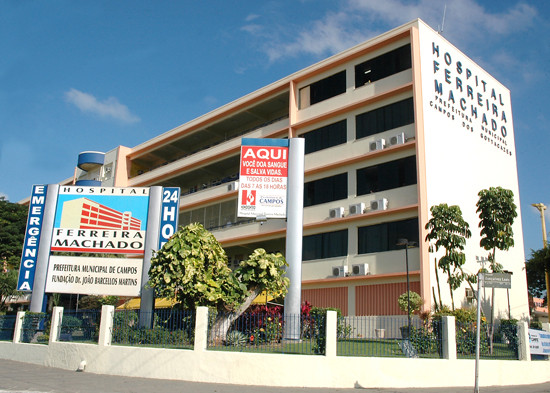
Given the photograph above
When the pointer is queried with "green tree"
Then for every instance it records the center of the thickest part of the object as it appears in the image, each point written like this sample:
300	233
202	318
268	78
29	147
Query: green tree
13	220
192	268
448	230
497	212
8	284
536	268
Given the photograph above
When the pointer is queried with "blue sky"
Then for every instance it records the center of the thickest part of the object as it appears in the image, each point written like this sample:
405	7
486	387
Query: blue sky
78	76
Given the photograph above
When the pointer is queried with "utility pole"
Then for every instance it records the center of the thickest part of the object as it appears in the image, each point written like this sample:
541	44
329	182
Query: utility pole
541	208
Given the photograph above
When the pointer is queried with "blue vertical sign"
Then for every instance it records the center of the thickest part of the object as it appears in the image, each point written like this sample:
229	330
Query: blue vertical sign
169	214
32	238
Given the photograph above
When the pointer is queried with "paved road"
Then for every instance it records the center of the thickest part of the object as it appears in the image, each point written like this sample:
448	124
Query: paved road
29	378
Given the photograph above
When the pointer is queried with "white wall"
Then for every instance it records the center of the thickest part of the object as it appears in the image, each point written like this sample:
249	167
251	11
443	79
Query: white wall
462	158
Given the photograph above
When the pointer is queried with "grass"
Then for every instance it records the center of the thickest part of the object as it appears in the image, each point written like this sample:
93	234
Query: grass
500	351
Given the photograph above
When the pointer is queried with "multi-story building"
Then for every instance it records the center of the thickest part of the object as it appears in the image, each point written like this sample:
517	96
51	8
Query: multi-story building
392	126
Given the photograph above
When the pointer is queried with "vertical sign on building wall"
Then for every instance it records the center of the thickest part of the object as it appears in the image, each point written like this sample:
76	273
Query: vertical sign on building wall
169	214
32	238
263	178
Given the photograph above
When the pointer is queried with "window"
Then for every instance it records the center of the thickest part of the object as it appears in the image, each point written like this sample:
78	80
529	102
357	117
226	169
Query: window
326	190
328	87
325	245
383	66
325	137
386	176
386	118
383	237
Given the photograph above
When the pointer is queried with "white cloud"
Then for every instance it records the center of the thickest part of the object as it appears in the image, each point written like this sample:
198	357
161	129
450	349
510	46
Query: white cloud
251	17
110	107
467	23
332	34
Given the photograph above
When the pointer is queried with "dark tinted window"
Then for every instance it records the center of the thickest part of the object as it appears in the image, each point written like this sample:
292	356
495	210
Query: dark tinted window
327	189
325	245
384	237
386	176
388	117
383	66
325	137
328	87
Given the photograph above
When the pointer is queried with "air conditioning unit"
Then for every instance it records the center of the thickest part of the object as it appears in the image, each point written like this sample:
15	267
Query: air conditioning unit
340	271
337	212
361	269
357	208
379	144
379	204
398	139
234	185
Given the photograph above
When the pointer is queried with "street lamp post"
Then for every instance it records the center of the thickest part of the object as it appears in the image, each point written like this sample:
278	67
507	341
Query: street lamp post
406	243
541	208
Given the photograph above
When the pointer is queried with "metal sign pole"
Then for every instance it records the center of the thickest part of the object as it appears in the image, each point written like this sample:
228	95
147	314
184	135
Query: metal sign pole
478	331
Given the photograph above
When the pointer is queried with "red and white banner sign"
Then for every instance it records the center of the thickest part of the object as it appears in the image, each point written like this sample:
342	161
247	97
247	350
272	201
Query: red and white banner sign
263	178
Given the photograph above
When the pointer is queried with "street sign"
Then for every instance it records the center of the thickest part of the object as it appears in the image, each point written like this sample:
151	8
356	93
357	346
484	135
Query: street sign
497	280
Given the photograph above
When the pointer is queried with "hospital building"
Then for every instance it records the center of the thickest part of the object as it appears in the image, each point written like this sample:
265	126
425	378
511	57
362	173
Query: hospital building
393	126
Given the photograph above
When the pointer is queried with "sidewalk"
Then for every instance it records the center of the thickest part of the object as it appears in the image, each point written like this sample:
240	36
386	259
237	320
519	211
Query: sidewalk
24	377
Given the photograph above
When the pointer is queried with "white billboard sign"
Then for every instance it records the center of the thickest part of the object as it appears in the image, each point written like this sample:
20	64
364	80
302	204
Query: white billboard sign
94	276
539	342
263	178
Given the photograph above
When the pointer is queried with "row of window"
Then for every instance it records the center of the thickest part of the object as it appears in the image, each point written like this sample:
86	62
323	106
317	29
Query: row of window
369	71
382	119
376	178
372	238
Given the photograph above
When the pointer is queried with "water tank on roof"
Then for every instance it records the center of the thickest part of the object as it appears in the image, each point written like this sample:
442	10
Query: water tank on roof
88	183
88	160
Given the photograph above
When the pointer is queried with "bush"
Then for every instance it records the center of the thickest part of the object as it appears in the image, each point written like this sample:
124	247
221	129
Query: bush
466	329
413	298
423	339
69	324
317	322
509	330
235	339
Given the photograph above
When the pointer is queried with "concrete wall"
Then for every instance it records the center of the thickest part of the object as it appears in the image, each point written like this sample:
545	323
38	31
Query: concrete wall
331	371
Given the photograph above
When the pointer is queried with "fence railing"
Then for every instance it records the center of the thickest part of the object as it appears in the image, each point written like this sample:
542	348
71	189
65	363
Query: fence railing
7	327
388	337
496	342
35	328
80	326
169	328
376	336
264	332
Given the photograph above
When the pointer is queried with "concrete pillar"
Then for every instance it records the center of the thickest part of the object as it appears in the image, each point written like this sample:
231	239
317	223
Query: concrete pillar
201	329
106	326
294	237
448	337
18	326
55	325
331	333
524	351
147	304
